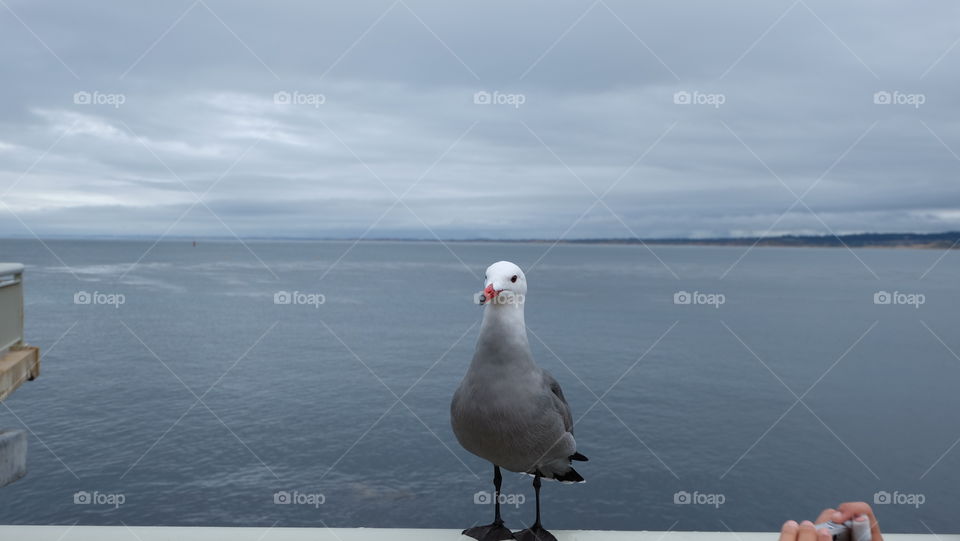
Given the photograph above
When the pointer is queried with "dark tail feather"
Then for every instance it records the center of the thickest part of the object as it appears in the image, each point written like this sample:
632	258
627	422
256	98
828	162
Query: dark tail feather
578	456
570	476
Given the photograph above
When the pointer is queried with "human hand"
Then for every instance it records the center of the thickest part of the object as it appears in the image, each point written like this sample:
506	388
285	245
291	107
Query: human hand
805	531
856	511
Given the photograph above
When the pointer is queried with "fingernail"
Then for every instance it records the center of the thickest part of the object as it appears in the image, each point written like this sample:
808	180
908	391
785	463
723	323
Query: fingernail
806	523
792	524
860	518
837	517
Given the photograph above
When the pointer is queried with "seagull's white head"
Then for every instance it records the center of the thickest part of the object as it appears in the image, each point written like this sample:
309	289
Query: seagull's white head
503	283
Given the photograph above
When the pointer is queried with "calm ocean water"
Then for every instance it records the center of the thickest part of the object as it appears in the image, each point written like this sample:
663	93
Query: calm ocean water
198	399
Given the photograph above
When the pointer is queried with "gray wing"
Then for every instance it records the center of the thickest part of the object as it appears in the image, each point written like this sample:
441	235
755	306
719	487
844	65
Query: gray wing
559	401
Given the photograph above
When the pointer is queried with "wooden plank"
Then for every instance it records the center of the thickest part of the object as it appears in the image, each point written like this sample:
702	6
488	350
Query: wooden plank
17	366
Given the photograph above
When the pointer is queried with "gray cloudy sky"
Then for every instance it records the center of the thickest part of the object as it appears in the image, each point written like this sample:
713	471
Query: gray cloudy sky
204	118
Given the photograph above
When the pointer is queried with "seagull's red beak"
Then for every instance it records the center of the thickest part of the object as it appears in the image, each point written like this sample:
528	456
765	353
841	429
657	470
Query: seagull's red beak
489	293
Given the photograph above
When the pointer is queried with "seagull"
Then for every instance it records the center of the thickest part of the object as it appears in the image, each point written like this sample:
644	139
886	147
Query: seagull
507	409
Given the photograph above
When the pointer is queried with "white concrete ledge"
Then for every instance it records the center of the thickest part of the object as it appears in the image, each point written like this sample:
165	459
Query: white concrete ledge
146	533
13	455
9	269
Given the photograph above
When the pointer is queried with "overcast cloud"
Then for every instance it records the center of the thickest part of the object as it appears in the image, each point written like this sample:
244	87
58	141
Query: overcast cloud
221	129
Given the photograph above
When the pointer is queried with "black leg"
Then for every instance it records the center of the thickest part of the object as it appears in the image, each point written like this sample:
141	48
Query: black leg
497	480
536	490
535	532
495	531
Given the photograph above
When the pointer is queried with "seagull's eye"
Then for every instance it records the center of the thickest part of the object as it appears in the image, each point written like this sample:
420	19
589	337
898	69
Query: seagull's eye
514	279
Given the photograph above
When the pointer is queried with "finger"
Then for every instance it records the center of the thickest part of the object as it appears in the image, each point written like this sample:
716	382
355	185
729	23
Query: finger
807	532
848	510
789	531
824	535
875	534
861	528
851	510
825	515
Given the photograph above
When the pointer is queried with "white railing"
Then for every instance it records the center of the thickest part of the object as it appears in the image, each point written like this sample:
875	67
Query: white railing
267	533
11	306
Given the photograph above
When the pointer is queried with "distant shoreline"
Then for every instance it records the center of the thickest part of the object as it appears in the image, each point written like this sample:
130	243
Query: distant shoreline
919	241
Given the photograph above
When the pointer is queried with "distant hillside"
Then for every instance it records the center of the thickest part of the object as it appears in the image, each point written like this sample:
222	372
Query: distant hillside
941	241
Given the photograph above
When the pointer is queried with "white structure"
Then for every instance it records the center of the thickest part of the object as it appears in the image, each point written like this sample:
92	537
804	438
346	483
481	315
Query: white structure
11	306
18	363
